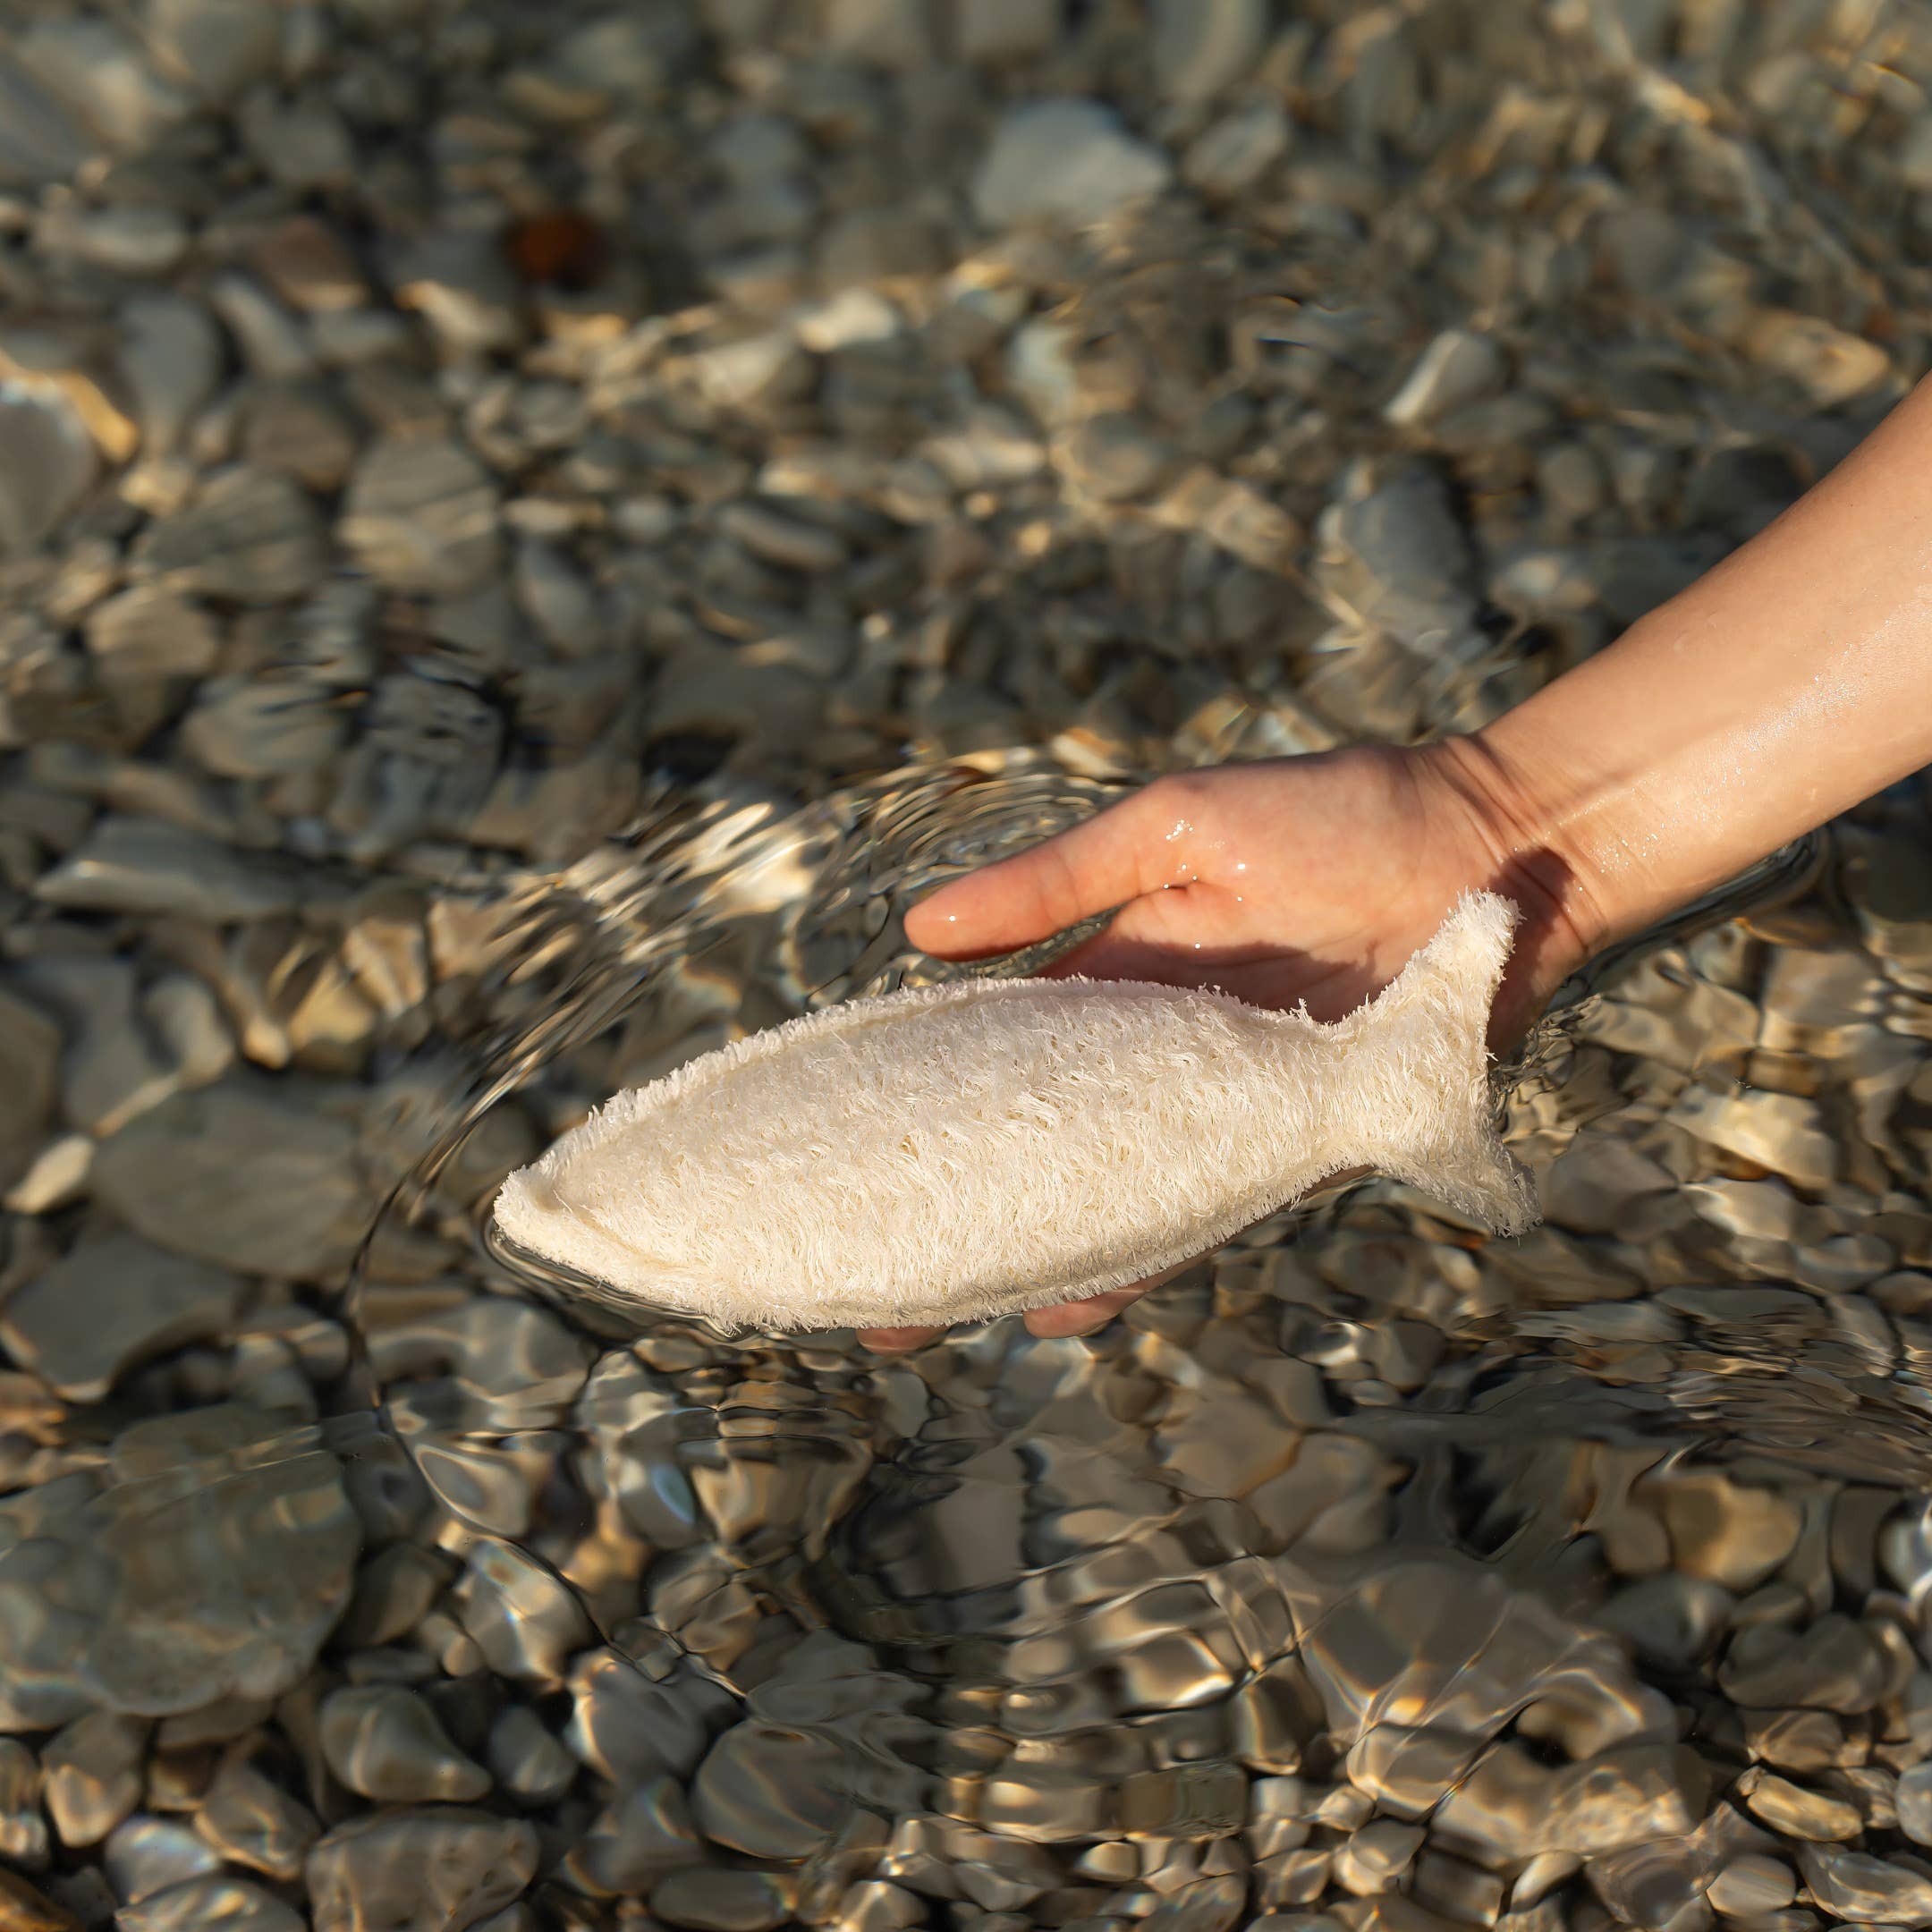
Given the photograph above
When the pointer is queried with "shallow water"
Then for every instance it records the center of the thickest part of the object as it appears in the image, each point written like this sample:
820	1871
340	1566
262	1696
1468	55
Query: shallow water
1372	1570
1374	1573
1370	1557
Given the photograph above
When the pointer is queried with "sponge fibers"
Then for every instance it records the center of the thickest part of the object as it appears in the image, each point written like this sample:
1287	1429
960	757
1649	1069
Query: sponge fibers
960	1151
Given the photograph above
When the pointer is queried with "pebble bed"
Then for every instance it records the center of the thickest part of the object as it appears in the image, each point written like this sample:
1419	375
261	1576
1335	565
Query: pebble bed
525	537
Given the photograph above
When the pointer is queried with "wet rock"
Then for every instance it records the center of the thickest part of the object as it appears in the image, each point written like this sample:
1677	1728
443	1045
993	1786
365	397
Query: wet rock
24	1908
787	541
170	355
1830	365
213	1562
249	535
1115	458
629	1726
1399	556
133	241
1749	1887
1044	1804
1723	1531
394	1589
145	865
93	1773
529	1761
1831	1665
241	1175
526	1623
57	1178
1064	161
24	1832
1458	367
265	727
1226	1446
1375	1857
115	1068
872	245
111	1304
216	46
251	1820
300	430
613	59
1889	881
462	287
1510	1807
1195	1800
29	1057
769	1790
1232	156
994	33
47	463
1859	1887
149	633
1672	1620
1275	1715
435	1869
104	76
146	1854
234	1547
303	144
307	264
1912	1800
1201	47
231	1903
420	514
275	345
1780	1131
645	1834
556	598
1798	1740
40	140
721	1901
884	33
384	1742
1795	1812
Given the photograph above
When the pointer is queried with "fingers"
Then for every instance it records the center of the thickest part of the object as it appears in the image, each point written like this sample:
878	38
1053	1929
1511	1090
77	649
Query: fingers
1046	1324
1082	1318
896	1341
1095	866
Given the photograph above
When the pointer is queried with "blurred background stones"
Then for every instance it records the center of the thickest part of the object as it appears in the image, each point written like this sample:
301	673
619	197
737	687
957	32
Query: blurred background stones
485	493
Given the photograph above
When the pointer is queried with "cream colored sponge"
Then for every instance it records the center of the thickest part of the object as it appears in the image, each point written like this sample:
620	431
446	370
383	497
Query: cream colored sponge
969	1150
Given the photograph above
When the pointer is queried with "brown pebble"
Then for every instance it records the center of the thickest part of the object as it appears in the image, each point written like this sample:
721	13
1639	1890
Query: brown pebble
561	248
24	1909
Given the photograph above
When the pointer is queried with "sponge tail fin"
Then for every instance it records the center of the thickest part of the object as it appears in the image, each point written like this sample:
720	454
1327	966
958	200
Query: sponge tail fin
1423	1055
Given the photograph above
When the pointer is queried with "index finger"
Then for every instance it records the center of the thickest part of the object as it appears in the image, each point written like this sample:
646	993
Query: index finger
1091	868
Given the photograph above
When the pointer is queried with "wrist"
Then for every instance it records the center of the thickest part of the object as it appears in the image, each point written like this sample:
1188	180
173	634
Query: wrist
1539	849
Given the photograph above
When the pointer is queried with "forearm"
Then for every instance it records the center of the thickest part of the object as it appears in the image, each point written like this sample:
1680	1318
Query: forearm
1789	682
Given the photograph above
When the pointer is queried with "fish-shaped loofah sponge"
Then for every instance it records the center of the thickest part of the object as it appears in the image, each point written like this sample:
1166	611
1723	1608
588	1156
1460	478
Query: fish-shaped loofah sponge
968	1150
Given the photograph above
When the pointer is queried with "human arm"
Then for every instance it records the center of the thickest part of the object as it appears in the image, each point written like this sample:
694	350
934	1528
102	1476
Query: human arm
1787	684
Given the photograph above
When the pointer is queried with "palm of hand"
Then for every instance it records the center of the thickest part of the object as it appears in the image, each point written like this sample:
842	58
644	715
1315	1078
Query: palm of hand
1307	881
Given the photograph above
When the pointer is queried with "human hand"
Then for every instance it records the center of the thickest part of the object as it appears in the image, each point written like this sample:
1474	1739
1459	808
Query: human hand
1309	879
